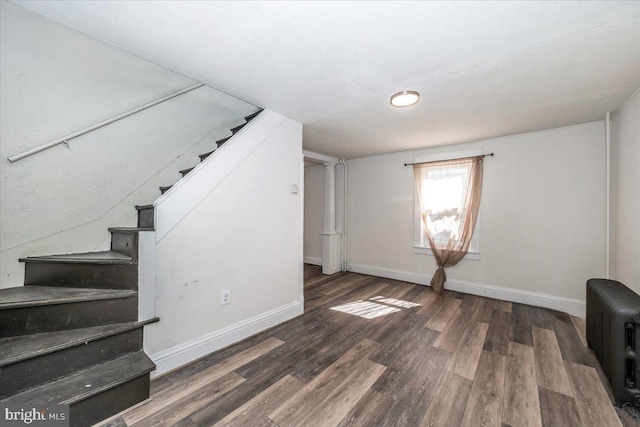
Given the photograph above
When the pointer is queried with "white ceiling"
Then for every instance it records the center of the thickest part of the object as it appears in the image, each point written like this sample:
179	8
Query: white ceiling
484	69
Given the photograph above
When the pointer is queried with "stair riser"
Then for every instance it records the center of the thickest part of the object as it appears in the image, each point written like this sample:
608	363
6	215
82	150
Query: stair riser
59	317
252	116
145	218
110	402
126	243
237	128
47	367
79	275
204	157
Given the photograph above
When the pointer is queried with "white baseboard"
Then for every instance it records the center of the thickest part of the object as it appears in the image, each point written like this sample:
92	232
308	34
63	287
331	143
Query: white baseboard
312	260
189	351
572	306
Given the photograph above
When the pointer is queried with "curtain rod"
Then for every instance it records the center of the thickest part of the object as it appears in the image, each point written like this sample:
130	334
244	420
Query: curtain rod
445	160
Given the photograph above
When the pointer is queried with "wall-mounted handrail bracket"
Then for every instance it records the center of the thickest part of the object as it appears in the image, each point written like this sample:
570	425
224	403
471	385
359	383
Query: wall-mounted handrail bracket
65	139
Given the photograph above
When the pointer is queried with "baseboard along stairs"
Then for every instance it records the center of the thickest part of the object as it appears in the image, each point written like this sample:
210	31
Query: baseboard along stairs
71	334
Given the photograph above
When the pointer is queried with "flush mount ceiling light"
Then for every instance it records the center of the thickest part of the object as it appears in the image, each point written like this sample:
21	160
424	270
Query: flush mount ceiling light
405	98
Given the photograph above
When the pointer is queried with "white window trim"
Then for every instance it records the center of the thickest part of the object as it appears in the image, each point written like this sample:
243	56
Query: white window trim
474	248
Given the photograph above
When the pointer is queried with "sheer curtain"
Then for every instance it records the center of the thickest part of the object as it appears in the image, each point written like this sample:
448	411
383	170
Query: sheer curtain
449	196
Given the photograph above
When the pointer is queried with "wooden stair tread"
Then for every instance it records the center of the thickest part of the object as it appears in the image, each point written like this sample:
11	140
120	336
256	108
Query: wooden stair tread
222	141
237	128
205	155
252	116
187	170
29	296
89	382
23	347
104	257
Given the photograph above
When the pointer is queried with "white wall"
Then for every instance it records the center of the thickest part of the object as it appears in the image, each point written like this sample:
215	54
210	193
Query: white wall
625	194
55	81
245	235
313	213
542	217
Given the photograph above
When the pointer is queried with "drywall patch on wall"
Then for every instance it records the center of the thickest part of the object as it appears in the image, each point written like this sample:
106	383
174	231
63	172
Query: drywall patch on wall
625	194
542	212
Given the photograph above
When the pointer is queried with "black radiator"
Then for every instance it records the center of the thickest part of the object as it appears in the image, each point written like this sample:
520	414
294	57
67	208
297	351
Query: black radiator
613	333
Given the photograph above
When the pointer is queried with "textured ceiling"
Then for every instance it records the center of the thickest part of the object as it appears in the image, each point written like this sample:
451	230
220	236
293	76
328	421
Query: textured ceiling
484	69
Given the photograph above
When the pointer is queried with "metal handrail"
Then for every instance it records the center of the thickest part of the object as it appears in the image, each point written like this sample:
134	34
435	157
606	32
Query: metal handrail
67	138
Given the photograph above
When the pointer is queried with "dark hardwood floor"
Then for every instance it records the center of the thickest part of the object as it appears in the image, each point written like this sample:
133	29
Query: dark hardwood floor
378	352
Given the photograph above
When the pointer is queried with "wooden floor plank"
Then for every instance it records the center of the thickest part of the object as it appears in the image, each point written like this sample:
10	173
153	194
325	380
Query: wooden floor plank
397	345
541	317
549	364
344	397
261	405
327	352
433	305
447	408
521	405
334	287
185	422
424	297
558	409
210	414
159	384
504	306
194	370
465	359
521	325
182	408
485	310
590	396
369	411
570	343
413	390
296	408
581	328
178	391
440	319
455	328
484	406
499	333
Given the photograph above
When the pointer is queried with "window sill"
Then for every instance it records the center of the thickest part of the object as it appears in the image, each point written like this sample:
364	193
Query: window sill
421	250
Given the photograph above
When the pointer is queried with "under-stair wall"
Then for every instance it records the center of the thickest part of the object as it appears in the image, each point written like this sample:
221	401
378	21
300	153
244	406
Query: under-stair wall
234	223
55	81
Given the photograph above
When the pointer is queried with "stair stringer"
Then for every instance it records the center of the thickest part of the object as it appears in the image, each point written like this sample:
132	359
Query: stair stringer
175	204
232	223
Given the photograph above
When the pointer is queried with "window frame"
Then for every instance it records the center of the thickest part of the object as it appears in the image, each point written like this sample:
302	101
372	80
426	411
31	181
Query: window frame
420	246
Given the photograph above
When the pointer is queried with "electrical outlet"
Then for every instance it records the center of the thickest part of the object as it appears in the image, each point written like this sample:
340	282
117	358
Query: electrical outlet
225	297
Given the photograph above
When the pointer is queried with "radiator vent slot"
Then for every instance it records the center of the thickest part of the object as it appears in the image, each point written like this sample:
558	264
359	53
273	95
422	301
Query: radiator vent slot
630	373
629	337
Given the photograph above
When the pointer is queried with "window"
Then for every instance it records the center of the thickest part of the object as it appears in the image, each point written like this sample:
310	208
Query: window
444	187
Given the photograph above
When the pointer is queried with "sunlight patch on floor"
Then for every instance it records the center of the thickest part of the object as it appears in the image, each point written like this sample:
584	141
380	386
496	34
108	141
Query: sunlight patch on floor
375	307
396	302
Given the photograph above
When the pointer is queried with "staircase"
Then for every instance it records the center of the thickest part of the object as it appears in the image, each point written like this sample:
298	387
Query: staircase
71	335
